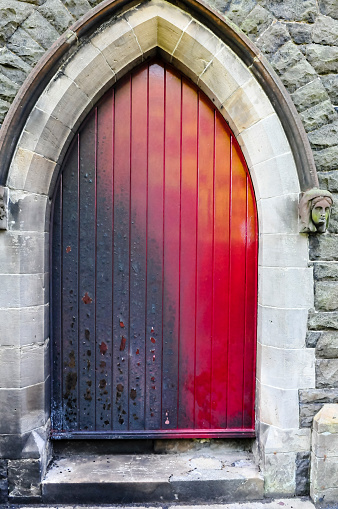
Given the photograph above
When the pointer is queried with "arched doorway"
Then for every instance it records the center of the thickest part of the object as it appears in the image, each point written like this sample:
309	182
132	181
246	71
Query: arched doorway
154	269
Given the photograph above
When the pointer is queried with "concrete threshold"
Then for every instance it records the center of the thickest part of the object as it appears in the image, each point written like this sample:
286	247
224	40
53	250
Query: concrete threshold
201	476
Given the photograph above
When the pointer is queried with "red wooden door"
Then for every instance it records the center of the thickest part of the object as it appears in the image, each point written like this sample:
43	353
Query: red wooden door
154	268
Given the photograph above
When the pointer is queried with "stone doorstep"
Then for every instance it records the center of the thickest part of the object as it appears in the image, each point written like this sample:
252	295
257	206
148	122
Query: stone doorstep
195	477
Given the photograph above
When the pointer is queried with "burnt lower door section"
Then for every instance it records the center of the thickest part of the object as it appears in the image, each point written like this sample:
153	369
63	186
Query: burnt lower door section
154	269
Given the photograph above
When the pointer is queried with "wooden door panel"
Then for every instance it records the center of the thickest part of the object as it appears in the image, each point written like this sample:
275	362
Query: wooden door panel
154	269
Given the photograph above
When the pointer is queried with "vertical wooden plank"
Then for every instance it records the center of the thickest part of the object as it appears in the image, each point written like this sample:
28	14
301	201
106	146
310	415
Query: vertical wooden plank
138	246
121	263
87	263
188	257
154	248
204	264
251	311
104	277
221	273
237	292
56	309
70	240
171	246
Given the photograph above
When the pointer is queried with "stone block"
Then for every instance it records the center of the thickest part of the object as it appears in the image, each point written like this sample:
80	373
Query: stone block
275	440
31	172
311	339
223	76
282	328
24	480
246	106
319	321
326	420
285	287
302	474
22	44
323	58
275	177
326	159
326	373
12	14
293	10
64	100
256	22
312	400
28	212
77	7
40	29
57	14
286	369
330	82
235	11
3	482
326	295
329	8
22	252
23	290
12	66
32	444
298	75
328	180
325	136
307	411
4	107
44	135
280	474
118	45
301	33
259	146
324	444
285	57
278	407
326	271
318	116
309	95
23	366
327	345
325	31
8	89
273	38
323	247
283	250
23	326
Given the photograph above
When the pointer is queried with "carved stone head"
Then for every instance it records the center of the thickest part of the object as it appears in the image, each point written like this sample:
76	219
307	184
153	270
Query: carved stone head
314	210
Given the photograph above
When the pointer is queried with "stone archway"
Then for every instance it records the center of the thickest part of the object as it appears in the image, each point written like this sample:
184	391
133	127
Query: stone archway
285	282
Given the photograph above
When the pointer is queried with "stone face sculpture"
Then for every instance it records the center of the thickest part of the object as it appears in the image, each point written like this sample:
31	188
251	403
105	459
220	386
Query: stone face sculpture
314	210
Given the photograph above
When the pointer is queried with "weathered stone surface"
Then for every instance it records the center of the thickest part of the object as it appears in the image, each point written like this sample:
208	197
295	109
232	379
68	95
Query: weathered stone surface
325	136
57	14
273	38
325	31
12	14
326	373
298	75
330	82
293	10
4	107
318	115
326	159
308	96
325	270
302	474
3	482
77	7
324	247
318	396
312	339
256	22
40	30
12	66
326	295
323	58
287	56
25	47
307	412
235	10
8	90
327	345
328	180
300	33
329	7
24	479
319	321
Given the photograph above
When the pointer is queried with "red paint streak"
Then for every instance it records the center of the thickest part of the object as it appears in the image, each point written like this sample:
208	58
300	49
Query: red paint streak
86	299
153	340
121	324
103	348
123	343
68	250
137	351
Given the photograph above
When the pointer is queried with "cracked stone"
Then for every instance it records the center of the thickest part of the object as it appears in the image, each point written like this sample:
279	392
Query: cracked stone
273	38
